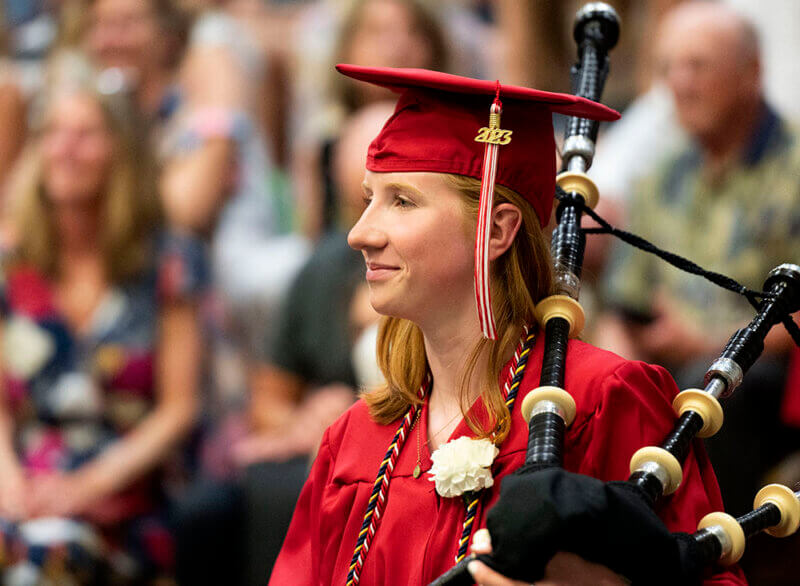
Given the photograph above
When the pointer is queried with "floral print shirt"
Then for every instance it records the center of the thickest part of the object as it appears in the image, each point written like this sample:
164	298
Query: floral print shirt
72	394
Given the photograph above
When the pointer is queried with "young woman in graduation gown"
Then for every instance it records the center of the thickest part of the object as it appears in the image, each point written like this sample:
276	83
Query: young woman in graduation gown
377	508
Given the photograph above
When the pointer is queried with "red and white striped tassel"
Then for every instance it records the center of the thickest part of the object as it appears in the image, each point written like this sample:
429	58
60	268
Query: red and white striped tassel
483	294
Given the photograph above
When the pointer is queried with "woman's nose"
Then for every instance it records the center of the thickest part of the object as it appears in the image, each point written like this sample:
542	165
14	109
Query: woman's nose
367	232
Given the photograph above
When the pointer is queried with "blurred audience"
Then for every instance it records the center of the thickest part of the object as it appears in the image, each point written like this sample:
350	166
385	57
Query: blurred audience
319	323
100	353
728	199
259	152
216	171
219	177
307	383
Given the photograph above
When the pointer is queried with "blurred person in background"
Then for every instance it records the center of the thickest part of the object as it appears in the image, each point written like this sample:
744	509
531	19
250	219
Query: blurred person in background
391	33
219	178
319	322
729	199
309	379
139	40
100	350
216	170
143	40
631	149
216	180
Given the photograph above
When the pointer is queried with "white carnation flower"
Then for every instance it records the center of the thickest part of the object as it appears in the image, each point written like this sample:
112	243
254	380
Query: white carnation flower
463	465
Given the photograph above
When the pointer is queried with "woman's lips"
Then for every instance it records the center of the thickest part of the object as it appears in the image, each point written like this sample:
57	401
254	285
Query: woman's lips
379	272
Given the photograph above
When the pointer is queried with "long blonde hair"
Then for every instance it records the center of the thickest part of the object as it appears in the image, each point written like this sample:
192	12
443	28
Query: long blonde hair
521	277
130	208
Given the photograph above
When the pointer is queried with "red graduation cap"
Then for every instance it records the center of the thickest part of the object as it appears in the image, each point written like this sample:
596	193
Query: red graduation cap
451	124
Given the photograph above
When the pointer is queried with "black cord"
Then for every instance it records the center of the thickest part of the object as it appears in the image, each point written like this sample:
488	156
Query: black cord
684	264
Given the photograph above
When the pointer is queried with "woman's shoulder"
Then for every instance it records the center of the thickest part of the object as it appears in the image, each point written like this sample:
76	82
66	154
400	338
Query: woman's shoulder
602	382
586	362
352	426
356	442
26	290
592	375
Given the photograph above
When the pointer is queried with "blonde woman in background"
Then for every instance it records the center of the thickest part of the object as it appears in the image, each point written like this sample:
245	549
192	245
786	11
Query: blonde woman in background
100	349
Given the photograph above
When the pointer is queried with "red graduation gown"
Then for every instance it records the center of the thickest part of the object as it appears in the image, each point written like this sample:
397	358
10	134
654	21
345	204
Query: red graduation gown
621	406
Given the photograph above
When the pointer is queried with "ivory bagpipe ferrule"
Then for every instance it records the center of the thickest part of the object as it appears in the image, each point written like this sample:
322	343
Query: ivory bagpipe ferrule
776	510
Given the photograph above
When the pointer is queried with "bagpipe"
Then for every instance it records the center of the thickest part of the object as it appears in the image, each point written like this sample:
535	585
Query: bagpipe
544	509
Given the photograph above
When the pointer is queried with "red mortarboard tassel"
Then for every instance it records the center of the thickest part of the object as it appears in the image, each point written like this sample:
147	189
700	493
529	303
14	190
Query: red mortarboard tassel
493	137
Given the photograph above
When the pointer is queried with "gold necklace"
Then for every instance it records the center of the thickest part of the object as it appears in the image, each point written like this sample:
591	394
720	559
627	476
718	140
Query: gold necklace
418	467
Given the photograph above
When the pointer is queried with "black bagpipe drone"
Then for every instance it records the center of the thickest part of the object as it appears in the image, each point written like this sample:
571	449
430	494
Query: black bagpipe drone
544	509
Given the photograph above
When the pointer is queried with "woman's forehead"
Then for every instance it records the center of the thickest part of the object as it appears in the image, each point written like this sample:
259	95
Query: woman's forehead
422	181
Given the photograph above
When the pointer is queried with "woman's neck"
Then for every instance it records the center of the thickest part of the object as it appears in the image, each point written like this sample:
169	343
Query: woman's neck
77	233
81	279
448	346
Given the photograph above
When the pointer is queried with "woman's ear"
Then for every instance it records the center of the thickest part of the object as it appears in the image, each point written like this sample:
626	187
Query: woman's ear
506	221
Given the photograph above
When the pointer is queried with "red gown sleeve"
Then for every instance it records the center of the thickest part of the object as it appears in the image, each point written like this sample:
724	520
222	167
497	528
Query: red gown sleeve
298	562
635	410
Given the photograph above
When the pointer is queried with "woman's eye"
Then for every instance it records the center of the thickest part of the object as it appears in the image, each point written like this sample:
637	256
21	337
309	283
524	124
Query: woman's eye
403	202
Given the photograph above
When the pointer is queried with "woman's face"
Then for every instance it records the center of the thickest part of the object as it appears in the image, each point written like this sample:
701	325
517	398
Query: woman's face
125	34
416	245
77	149
387	36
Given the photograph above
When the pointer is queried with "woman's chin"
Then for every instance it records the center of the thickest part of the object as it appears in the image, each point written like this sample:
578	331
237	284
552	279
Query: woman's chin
69	197
389	306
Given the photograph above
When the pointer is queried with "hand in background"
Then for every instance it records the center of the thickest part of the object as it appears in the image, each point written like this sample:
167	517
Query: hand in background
57	494
301	433
671	338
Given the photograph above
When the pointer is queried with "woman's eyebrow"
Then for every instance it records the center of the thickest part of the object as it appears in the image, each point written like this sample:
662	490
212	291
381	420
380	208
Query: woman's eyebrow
405	187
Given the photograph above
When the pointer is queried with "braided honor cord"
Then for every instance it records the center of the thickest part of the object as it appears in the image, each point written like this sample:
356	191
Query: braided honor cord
513	379
377	500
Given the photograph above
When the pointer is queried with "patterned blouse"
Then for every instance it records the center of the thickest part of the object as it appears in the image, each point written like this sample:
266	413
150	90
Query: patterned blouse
72	394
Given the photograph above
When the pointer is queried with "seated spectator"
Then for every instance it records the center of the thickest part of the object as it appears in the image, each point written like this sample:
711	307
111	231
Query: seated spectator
143	40
100	350
319	324
376	33
308	382
729	199
219	179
